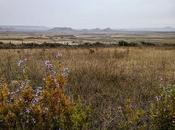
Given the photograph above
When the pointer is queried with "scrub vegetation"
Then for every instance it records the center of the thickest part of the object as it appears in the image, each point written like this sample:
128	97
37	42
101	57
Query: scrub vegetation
88	88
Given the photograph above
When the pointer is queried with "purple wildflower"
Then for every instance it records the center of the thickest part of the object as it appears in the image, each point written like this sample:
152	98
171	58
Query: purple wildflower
27	110
22	64
49	67
58	55
51	70
66	72
35	100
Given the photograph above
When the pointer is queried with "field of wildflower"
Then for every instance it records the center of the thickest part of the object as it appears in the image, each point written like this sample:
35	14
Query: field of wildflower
115	88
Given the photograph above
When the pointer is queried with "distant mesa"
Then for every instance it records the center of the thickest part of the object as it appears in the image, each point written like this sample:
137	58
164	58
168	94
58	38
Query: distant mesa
61	30
108	30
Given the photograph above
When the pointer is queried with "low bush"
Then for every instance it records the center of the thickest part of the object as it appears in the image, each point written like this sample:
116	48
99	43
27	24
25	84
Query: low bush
125	43
46	107
147	43
158	116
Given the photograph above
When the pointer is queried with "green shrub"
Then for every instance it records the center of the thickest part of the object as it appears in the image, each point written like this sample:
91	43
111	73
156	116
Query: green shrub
163	110
159	116
45	107
123	43
147	43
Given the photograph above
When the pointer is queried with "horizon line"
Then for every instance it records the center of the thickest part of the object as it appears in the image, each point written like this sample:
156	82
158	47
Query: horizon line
46	26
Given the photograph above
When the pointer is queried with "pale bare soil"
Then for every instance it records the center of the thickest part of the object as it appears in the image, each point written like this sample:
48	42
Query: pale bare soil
156	38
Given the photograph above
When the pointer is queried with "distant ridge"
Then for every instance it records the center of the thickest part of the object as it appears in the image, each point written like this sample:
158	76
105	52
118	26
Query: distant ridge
69	30
165	29
6	28
81	31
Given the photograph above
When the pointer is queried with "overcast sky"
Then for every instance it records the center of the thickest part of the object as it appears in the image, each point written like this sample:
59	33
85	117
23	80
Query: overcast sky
88	13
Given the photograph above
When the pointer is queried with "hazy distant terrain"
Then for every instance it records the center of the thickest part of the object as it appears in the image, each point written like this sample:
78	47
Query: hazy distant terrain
69	36
69	30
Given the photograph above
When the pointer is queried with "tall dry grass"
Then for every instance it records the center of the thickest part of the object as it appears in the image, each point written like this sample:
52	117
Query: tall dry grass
104	79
